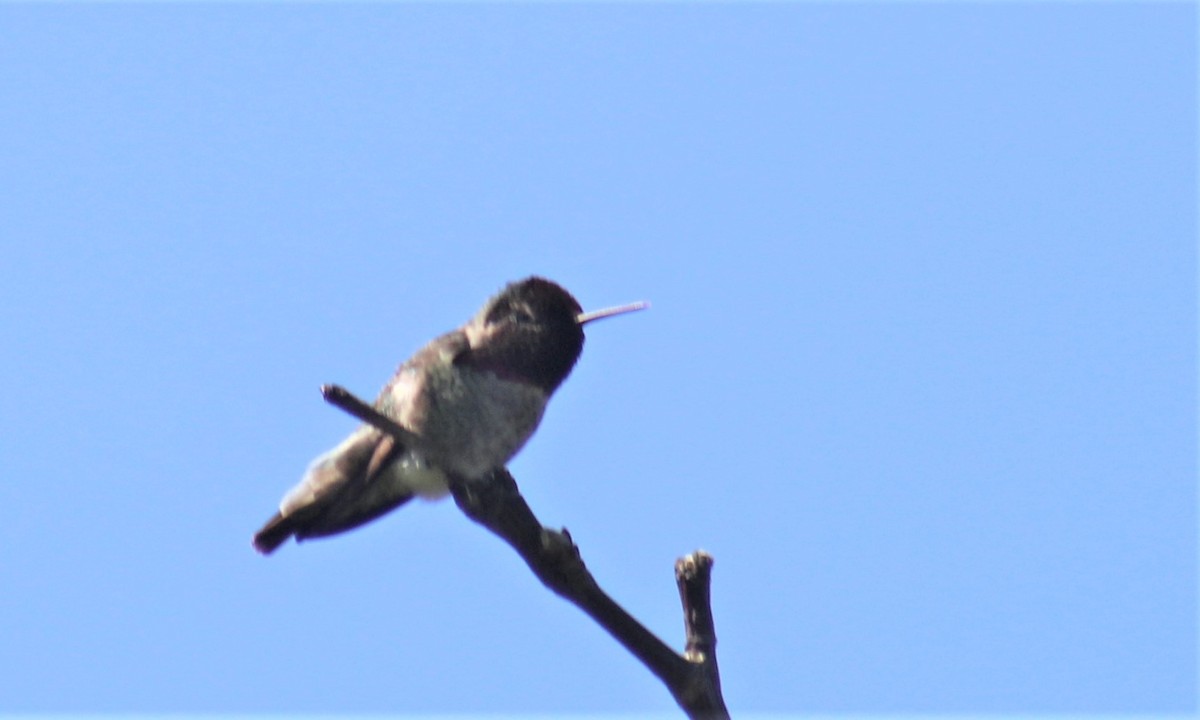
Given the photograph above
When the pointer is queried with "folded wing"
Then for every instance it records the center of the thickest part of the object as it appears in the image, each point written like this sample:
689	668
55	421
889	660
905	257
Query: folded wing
344	488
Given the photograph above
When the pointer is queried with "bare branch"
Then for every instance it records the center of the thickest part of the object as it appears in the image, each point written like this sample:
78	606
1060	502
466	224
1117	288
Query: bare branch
341	397
693	574
495	502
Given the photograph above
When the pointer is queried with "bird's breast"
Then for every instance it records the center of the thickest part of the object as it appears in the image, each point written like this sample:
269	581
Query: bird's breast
469	421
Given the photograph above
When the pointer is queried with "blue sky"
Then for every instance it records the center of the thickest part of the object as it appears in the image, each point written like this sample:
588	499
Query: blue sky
920	370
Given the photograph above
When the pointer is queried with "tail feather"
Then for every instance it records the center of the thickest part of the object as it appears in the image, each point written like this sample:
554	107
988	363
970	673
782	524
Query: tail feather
275	533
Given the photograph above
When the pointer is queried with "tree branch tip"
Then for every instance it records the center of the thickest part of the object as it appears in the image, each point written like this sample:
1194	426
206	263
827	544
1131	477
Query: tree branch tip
693	564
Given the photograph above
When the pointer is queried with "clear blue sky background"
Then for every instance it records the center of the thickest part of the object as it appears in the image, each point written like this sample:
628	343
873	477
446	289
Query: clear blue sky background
920	370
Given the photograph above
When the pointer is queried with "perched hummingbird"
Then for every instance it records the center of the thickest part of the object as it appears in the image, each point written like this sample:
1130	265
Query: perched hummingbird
471	398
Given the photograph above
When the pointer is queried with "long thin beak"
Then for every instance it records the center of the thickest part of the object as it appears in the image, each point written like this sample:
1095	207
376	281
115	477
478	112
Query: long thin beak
587	317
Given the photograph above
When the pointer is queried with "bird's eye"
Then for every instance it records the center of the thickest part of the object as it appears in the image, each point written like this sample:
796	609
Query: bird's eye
521	315
505	311
499	312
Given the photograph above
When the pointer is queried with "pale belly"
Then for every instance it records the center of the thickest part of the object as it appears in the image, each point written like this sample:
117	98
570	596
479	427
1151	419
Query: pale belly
469	422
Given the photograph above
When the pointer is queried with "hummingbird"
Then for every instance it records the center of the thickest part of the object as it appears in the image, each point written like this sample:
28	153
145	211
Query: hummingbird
470	399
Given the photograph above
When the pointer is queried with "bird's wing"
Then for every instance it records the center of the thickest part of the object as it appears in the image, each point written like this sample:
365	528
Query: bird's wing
356	482
342	489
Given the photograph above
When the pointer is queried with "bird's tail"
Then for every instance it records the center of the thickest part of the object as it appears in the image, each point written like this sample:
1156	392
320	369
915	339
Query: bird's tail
344	488
275	533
